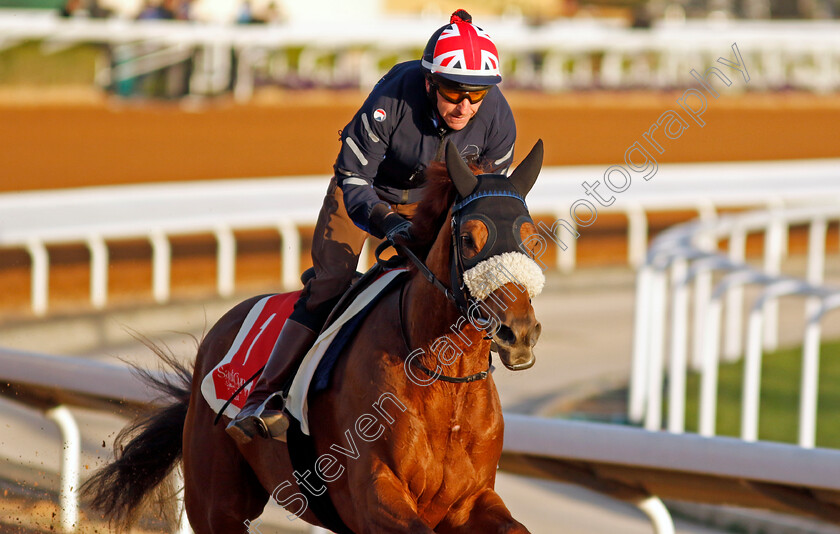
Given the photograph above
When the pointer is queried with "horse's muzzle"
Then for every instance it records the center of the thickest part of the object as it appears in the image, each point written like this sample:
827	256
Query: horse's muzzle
515	343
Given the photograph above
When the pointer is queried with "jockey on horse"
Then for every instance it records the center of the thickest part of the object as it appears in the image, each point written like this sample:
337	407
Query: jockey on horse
449	95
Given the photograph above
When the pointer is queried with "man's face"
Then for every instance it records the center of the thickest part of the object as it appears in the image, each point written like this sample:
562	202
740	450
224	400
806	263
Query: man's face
456	116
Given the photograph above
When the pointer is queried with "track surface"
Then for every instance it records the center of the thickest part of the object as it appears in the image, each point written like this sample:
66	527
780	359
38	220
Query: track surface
103	141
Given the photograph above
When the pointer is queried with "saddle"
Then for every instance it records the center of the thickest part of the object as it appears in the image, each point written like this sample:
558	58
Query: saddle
226	388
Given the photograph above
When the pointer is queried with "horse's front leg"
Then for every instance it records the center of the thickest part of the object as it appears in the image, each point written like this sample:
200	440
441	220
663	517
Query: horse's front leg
387	507
483	512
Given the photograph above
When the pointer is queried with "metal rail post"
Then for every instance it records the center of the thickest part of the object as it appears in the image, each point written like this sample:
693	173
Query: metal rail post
637	232
71	441
40	276
641	330
679	342
711	345
709	370
733	340
809	389
567	259
775	244
659	516
703	281
682	277
161	266
656	349
98	271
816	258
291	255
752	362
225	261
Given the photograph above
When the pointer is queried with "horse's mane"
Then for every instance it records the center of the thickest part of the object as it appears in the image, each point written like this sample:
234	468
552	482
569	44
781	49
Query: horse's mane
438	197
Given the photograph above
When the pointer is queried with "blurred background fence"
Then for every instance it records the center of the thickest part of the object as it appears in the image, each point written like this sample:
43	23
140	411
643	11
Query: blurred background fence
171	59
98	218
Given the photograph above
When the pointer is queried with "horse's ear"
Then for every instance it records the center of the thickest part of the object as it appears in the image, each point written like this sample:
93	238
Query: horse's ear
526	173
460	174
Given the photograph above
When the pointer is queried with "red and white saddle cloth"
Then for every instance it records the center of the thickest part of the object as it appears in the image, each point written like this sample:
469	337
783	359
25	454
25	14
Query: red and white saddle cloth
255	340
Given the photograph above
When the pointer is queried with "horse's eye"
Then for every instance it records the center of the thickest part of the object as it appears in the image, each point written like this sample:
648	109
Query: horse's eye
467	240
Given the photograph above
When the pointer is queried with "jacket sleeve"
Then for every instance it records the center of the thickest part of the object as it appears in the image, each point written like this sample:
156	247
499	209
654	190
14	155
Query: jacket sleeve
364	142
498	152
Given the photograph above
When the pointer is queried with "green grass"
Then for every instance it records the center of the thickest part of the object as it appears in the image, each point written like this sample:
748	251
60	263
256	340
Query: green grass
31	64
32	4
779	408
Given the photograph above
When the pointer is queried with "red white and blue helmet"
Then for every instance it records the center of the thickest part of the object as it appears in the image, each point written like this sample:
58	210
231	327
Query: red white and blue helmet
462	53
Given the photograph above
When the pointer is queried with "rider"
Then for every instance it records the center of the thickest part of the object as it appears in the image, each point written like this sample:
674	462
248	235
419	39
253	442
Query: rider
450	94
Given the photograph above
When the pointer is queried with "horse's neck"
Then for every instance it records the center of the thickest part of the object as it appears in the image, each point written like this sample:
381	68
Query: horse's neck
430	317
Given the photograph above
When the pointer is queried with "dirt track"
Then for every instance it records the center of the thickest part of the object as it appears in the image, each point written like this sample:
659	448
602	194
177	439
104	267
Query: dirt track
112	142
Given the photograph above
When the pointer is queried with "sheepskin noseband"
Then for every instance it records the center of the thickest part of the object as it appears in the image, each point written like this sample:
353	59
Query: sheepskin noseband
494	272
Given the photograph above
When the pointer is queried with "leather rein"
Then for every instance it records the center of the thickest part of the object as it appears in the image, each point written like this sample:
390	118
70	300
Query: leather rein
459	301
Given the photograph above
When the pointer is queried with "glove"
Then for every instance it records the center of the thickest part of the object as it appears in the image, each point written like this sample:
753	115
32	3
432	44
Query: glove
390	225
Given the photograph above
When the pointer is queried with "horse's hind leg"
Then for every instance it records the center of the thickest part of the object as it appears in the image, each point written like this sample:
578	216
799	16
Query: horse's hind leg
221	491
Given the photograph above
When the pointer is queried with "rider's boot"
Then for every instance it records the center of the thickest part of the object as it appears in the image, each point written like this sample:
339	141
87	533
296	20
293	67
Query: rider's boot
263	413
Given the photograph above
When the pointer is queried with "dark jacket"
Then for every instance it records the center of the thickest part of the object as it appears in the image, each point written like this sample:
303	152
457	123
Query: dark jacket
398	132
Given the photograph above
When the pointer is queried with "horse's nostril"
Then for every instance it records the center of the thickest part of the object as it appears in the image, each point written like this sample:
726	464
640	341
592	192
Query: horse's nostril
535	334
506	335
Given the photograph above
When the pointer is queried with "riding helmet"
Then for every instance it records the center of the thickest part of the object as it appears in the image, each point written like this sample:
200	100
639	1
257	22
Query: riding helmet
463	54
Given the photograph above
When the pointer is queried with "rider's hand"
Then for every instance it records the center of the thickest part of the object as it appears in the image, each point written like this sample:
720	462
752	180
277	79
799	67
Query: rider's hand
397	229
390	224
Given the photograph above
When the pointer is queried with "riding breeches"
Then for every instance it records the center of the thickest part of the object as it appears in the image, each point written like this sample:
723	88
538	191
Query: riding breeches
336	247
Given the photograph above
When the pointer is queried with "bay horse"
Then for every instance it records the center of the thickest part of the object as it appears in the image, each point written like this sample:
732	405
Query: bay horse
428	462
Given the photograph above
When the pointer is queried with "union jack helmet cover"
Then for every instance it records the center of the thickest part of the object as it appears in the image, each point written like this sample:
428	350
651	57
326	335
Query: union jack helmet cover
463	53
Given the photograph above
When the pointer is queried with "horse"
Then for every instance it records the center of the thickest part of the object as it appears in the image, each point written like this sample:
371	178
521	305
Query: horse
428	421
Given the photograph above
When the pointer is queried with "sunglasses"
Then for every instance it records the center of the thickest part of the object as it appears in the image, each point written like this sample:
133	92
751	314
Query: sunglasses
457	95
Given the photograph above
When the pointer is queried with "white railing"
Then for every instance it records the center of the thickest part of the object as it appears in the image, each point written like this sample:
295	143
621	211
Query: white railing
96	216
560	55
689	255
52	384
623	462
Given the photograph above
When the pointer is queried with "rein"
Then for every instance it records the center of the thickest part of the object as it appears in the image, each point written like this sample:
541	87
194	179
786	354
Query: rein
432	279
439	376
427	274
235	393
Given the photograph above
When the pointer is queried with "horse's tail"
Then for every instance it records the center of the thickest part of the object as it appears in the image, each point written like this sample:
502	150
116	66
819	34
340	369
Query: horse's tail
145	451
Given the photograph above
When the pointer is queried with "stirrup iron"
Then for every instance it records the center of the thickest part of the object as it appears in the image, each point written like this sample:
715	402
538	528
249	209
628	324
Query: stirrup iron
273	425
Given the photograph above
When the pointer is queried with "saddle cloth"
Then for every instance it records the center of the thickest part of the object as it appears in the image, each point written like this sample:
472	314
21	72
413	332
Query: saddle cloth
255	340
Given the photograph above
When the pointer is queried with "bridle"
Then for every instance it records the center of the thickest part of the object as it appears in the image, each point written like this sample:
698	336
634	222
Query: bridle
457	292
406	254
